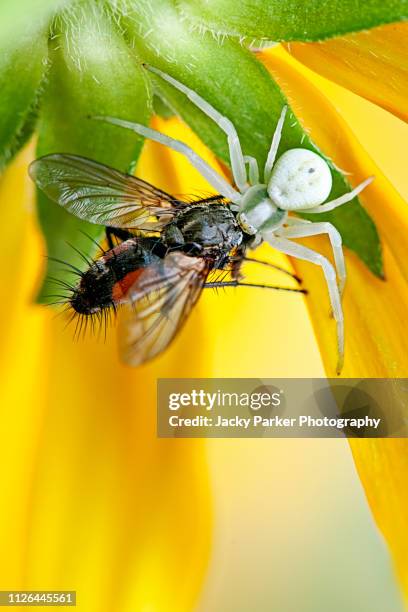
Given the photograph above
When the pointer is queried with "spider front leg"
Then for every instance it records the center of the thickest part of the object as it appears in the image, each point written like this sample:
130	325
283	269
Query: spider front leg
300	252
253	170
214	178
276	138
235	151
299	229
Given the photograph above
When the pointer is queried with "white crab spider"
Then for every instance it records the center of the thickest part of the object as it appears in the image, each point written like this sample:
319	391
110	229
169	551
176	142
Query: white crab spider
300	180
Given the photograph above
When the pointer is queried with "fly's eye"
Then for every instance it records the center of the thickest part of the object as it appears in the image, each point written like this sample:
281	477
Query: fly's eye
300	179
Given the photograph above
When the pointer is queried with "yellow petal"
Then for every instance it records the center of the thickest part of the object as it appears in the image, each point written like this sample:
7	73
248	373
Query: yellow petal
375	310
372	63
337	140
91	499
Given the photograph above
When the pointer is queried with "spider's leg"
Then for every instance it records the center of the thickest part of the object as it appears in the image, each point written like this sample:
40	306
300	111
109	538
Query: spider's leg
215	179
253	169
347	197
235	150
297	221
270	160
296	250
303	230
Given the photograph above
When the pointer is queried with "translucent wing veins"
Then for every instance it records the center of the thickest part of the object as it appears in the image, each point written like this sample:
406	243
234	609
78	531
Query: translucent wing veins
100	194
158	305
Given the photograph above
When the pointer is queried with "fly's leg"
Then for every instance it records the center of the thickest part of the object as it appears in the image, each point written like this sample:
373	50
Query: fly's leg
192	248
237	283
274	267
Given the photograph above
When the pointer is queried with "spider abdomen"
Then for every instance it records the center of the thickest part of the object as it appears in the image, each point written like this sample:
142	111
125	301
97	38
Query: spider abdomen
300	179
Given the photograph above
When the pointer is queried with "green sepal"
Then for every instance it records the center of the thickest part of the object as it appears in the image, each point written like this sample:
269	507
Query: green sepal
161	109
93	73
24	29
289	20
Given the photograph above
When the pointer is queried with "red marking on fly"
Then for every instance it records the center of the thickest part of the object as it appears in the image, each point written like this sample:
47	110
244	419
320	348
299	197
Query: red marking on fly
120	289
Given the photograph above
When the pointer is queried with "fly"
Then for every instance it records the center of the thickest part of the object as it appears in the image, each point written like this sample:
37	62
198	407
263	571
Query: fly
154	277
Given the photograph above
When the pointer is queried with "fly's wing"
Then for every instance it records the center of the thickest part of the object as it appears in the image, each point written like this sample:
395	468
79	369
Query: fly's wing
158	304
100	194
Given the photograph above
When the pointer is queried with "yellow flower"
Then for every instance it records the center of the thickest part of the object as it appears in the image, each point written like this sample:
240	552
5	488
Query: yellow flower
371	63
375	310
93	500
